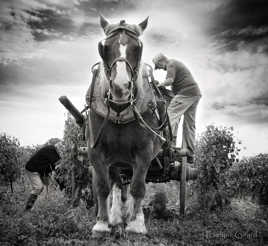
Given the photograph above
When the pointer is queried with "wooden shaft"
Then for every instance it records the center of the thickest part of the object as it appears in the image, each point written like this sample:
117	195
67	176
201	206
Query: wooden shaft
72	109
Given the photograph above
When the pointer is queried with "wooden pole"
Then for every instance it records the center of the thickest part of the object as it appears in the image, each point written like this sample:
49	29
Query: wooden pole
72	109
183	185
183	178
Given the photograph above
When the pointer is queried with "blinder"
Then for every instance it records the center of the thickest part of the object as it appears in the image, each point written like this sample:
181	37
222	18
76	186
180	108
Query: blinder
101	49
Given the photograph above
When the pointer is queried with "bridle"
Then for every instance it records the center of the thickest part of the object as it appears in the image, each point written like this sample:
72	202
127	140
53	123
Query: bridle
120	106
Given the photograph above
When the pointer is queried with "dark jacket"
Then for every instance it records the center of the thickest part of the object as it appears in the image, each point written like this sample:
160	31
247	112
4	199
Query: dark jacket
43	161
184	83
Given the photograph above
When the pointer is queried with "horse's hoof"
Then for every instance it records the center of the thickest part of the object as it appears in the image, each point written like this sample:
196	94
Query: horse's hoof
136	227
133	229
100	229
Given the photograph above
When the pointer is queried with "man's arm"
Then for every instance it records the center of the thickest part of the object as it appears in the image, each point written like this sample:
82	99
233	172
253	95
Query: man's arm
57	164
167	82
52	178
171	74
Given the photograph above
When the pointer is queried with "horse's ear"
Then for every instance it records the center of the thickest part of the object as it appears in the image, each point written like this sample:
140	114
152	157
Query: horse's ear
143	24
104	23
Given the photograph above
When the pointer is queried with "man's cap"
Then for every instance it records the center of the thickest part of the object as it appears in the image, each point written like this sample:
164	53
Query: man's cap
159	57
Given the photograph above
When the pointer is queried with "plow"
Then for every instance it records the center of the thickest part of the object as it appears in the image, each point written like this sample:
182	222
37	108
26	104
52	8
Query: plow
170	164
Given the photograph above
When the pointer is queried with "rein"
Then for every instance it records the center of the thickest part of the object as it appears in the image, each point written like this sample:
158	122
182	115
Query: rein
139	119
100	132
143	123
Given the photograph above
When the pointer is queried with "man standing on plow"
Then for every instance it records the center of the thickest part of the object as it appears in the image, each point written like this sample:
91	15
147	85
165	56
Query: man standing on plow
187	95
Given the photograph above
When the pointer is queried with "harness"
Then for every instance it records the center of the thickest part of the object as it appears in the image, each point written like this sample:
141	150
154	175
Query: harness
137	115
118	107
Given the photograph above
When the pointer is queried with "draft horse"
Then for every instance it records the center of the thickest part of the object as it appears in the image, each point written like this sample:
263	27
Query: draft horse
120	123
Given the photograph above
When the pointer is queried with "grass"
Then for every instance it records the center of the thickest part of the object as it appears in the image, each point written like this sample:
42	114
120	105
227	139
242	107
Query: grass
52	222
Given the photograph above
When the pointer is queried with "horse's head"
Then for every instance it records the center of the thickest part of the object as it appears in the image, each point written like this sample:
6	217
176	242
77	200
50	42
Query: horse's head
121	52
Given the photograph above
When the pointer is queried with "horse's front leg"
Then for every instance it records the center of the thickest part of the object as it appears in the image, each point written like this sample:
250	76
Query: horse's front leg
136	221
117	201
102	188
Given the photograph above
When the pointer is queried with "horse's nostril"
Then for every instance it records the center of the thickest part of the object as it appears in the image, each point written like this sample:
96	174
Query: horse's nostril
128	85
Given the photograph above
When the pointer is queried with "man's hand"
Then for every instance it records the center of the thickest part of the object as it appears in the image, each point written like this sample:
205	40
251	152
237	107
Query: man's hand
52	175
156	82
58	165
52	178
167	82
161	86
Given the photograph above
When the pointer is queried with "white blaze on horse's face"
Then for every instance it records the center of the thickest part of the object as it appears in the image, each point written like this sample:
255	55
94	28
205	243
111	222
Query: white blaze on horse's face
121	76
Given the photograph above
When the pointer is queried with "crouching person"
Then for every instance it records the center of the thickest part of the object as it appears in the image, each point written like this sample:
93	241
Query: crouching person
39	168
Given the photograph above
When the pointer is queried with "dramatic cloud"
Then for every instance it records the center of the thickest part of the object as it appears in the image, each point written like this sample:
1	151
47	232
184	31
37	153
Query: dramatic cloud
241	23
47	48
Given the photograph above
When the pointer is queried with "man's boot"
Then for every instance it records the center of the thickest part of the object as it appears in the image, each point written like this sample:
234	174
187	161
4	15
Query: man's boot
30	202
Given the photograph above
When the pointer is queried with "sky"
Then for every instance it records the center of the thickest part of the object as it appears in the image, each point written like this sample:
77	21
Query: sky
47	48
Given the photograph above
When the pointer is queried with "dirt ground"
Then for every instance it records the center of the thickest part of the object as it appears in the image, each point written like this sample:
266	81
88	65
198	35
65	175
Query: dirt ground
52	222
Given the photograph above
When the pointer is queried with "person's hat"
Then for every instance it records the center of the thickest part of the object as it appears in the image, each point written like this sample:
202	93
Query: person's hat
157	58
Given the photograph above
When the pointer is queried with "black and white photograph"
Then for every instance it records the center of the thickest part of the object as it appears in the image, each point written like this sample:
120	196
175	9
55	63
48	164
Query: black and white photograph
133	122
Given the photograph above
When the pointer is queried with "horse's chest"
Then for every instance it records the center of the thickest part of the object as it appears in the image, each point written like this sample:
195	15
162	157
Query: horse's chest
119	144
118	140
